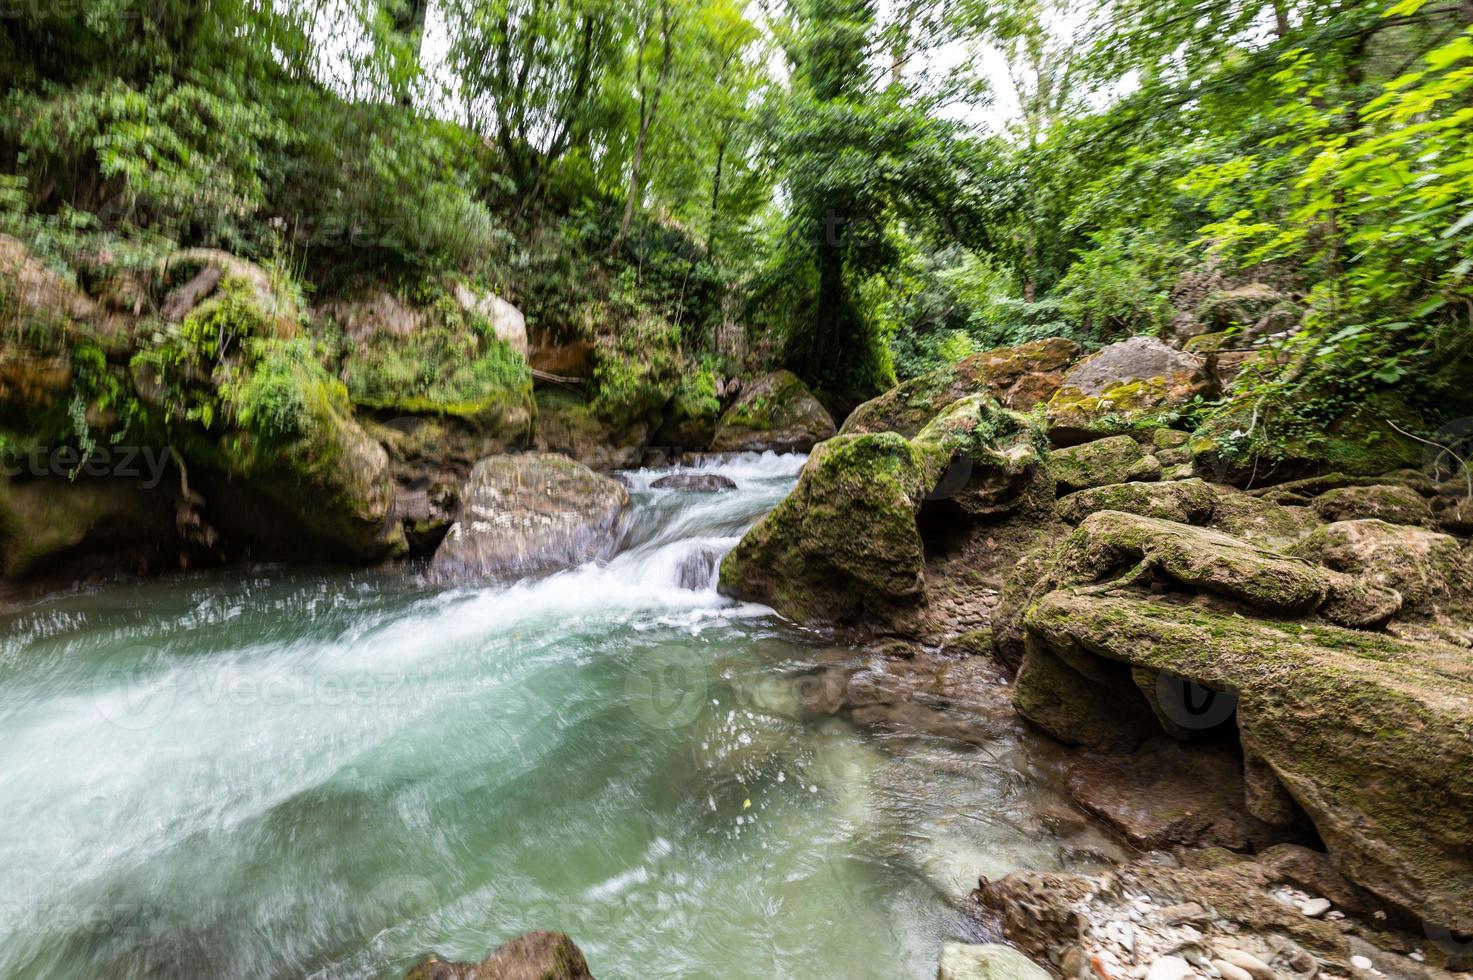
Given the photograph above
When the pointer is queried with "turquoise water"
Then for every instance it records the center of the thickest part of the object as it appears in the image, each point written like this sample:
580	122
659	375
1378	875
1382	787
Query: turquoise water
281	773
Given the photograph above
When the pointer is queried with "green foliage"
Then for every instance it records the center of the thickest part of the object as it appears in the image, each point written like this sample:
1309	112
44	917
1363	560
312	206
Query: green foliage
636	369
272	399
1121	285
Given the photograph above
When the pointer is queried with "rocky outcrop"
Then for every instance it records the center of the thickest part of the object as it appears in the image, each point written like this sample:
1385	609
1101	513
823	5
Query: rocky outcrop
209	271
1016	377
1121	385
1395	504
1360	730
91	523
534	956
567	424
1117	459
845	547
530	515
776	412
508	324
1196	502
1430	571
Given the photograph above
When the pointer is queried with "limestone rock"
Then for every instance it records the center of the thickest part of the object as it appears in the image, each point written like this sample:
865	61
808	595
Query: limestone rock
986	961
534	956
776	412
1016	377
1428	569
1120	384
1117	459
1372	736
529	515
1395	504
507	322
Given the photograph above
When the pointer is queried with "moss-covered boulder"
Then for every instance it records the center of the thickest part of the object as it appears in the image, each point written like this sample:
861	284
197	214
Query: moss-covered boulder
1185	501
1123	385
1371	736
1117	459
1430	570
534	956
844	548
435	354
1233	447
776	412
1395	504
199	275
54	524
530	514
35	298
1016	377
691	417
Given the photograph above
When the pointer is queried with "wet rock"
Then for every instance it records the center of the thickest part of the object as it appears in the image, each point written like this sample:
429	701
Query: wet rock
1372	778
534	956
1121	384
776	412
845	546
1016	377
1166	794
1118	459
697	570
529	515
986	961
1394	504
694	482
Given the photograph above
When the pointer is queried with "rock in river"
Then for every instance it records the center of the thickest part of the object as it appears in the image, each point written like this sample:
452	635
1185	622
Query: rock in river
529	515
534	956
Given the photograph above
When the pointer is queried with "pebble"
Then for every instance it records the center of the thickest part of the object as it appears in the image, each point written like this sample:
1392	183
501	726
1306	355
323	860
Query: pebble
1417	956
1361	962
1315	907
1169	968
1186	912
1229	972
1248	963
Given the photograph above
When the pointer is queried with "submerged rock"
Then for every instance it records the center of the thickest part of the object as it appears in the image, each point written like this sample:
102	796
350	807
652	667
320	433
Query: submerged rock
695	482
530	515
534	956
1122	384
776	412
986	961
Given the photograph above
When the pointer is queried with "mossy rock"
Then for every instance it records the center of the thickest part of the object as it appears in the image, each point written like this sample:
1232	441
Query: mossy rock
569	425
691	418
103	523
1231	448
1394	504
776	412
534	956
1123	386
1371	736
1429	569
843	547
1017	377
438	355
1117	459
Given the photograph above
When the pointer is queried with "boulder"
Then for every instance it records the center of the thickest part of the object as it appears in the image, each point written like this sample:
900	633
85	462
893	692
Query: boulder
845	548
1395	504
776	412
694	482
435	360
530	515
1370	735
35	293
107	522
1017	377
1117	459
1123	384
986	961
1430	570
211	270
534	956
507	322
1191	501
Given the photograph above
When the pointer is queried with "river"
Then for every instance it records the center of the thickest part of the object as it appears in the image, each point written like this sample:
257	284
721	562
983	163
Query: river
295	772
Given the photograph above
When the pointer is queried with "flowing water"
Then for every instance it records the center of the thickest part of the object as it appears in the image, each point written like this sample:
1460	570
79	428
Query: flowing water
278	773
